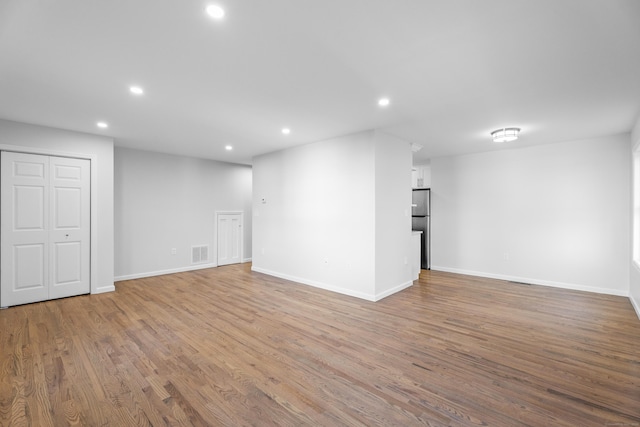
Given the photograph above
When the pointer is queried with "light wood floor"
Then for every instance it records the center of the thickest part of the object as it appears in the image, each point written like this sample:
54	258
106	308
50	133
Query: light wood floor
231	347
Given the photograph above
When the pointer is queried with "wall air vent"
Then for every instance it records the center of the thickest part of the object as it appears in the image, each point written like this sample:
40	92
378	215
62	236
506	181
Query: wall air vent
199	254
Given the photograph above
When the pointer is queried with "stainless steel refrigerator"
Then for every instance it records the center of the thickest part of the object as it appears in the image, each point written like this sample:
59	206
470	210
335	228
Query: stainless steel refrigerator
421	221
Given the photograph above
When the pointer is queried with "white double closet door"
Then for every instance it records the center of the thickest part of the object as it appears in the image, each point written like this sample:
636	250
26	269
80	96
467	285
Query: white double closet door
45	227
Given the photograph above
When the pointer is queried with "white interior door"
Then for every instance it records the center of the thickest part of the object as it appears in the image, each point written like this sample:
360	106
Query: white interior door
24	229
229	238
70	227
45	228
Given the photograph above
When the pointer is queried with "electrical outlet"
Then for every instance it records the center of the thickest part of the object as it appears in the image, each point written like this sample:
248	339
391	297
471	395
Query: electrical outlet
174	251
505	256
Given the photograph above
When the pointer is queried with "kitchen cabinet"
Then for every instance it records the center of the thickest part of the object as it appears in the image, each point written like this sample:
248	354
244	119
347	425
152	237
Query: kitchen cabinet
421	176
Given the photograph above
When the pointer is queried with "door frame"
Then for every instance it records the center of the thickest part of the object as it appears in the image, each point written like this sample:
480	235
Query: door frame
215	232
93	203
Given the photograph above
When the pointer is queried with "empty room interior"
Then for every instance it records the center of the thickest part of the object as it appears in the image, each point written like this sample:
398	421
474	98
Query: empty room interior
359	213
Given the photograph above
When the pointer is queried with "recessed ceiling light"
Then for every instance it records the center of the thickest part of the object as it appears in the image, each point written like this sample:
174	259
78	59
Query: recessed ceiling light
136	90
102	125
286	131
215	11
383	102
228	147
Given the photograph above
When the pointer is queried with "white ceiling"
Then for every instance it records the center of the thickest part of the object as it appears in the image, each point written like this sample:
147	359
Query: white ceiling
454	71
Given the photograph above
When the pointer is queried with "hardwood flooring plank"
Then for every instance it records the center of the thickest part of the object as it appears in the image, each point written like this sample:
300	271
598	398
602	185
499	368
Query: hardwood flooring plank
228	346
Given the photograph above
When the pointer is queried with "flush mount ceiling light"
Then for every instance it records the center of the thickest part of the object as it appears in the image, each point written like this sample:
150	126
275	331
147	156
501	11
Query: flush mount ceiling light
228	147
102	125
505	134
136	90
383	102
286	131
215	11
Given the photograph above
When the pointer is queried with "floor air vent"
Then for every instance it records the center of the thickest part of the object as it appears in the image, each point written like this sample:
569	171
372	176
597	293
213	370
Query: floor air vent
199	254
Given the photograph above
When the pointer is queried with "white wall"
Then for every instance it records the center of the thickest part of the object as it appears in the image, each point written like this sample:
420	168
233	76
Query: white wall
99	149
317	224
392	214
634	282
556	214
164	201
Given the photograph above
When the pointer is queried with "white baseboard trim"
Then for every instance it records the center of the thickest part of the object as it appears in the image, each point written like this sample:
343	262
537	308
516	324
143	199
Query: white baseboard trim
636	305
549	283
246	260
104	289
163	272
393	290
315	284
332	288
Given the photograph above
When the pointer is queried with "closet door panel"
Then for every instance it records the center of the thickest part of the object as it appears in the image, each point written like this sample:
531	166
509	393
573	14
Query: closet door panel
24	218
70	227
